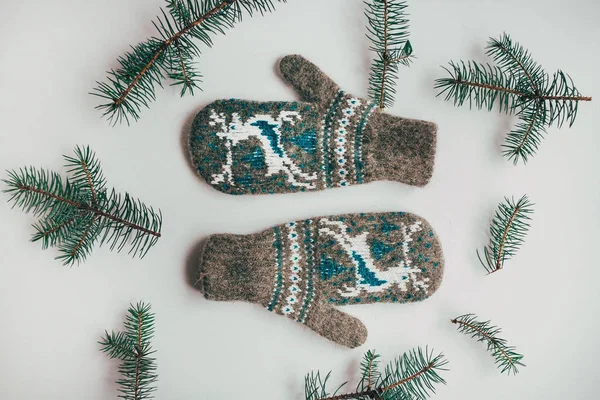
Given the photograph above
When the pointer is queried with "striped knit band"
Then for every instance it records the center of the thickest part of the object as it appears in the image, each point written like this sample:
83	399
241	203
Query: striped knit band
341	140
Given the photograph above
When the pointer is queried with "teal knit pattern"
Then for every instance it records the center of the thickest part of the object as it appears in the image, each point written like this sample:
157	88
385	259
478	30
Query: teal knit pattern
243	147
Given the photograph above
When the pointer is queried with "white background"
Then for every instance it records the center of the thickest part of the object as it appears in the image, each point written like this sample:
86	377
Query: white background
546	300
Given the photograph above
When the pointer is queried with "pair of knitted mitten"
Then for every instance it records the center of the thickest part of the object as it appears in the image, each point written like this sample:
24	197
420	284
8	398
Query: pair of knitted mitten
331	139
302	269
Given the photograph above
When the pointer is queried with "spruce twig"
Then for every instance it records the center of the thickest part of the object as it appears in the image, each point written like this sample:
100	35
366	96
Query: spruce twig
507	233
79	211
411	375
517	85
170	54
133	348
506	357
370	370
388	33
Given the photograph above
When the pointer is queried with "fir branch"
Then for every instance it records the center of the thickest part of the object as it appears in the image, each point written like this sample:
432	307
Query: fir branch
411	375
506	357
518	85
370	370
133	348
78	212
170	54
507	233
388	32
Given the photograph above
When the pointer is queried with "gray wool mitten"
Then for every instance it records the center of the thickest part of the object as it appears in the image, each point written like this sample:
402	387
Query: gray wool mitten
302	269
333	139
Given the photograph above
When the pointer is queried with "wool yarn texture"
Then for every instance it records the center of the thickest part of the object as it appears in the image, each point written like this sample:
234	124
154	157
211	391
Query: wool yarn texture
330	139
303	269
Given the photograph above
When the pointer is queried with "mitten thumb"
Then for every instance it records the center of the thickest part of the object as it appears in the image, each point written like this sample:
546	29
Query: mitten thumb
310	82
336	326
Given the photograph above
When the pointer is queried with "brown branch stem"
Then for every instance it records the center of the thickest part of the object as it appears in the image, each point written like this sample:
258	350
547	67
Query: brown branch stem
567	98
385	54
89	179
407	379
48	194
125	222
518	93
529	130
490	87
504	235
94	210
139	358
85	234
367	393
183	69
398	59
166	44
369	378
57	227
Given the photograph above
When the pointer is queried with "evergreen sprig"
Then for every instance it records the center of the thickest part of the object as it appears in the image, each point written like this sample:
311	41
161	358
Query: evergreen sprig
506	357
410	376
388	33
516	84
507	233
78	212
133	348
170	53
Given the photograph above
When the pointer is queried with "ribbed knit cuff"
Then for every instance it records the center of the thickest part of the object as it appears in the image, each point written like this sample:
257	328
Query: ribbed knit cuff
399	149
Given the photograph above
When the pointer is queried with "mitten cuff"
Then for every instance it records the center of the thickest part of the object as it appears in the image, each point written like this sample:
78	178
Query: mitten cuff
236	267
399	149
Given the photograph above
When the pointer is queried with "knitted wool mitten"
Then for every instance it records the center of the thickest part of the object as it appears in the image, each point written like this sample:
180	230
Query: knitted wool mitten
301	269
333	139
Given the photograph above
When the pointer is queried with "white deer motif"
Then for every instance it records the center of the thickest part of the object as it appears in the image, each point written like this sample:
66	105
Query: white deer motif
266	129
359	252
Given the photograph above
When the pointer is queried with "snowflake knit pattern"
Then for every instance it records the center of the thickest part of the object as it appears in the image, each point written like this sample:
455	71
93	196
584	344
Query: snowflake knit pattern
301	269
333	139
